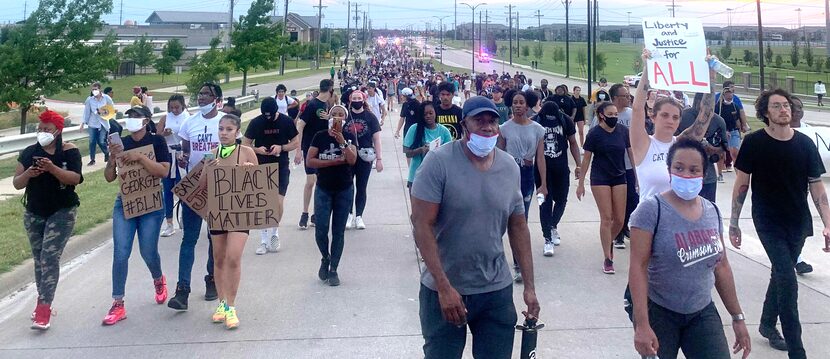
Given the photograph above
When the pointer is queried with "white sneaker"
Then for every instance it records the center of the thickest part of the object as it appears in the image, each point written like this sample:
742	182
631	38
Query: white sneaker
168	231
275	243
262	249
554	234
358	222
548	249
350	222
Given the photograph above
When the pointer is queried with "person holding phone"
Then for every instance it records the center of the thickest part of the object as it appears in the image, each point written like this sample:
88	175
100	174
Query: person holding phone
148	225
168	127
49	170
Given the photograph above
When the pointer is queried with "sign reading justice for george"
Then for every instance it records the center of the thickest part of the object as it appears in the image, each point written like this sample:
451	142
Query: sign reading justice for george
243	197
678	54
140	190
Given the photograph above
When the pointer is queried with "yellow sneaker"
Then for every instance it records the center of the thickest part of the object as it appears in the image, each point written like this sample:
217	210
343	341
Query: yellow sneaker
219	314
231	320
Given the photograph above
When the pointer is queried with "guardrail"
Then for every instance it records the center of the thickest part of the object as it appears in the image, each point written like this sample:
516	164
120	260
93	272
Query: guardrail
17	143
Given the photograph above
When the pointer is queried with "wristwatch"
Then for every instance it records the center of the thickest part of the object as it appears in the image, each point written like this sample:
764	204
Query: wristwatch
738	317
343	145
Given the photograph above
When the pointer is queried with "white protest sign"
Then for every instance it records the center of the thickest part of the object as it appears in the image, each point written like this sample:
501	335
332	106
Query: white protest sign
434	143
678	54
821	138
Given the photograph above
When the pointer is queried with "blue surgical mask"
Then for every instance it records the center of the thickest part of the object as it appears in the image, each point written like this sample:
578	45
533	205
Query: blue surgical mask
206	109
686	187
481	146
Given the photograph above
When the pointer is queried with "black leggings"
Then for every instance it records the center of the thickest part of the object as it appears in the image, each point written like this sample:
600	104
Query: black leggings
361	172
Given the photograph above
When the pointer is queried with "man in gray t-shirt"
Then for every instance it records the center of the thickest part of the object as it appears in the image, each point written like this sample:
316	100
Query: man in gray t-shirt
461	209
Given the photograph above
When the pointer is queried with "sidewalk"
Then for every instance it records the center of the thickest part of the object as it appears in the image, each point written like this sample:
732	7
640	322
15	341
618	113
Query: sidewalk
174	89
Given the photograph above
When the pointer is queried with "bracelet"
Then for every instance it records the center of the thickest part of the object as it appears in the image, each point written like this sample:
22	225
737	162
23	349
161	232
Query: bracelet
738	317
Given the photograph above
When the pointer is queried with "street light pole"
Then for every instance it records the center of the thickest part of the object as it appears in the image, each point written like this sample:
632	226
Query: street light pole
760	45
473	32
441	25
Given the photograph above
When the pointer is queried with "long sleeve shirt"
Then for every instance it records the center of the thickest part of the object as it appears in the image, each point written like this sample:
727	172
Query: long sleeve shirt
91	117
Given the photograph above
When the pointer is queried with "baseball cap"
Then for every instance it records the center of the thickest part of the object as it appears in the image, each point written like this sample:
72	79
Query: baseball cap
141	110
479	104
407	92
728	89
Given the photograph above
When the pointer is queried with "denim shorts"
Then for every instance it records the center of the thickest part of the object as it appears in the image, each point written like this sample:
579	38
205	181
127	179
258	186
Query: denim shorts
735	139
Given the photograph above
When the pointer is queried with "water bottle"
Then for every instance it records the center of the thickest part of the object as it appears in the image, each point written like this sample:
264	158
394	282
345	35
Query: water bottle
530	330
541	198
721	68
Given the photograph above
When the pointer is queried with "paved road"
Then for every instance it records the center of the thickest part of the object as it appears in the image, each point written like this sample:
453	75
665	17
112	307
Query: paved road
287	313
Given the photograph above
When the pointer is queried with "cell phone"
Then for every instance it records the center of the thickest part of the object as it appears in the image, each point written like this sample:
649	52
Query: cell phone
115	139
35	161
209	156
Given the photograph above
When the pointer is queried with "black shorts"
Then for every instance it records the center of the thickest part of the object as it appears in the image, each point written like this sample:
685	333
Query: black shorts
308	170
608	181
285	176
219	233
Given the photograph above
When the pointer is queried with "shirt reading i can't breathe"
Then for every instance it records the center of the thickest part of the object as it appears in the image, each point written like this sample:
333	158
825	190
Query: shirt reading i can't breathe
684	254
450	118
475	207
203	135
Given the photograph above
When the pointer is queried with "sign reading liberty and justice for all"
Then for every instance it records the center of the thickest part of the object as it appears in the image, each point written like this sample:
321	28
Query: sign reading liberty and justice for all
678	54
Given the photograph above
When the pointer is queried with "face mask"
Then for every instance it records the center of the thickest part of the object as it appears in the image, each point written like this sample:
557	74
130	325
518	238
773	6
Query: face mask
727	102
611	121
96	93
481	146
357	105
226	151
686	187
206	109
602	97
134	124
45	138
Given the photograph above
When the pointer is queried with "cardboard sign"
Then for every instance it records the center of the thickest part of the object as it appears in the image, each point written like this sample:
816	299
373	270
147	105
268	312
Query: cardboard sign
678	54
140	190
243	197
190	193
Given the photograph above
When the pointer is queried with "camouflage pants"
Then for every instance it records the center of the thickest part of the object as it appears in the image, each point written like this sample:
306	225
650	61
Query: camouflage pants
48	237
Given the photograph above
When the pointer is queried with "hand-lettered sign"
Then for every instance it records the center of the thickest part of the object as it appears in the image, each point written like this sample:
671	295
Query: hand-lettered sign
678	54
189	191
243	197
140	190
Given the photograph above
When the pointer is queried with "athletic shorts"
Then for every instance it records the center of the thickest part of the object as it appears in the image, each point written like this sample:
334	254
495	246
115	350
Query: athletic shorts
734	139
308	170
284	177
604	181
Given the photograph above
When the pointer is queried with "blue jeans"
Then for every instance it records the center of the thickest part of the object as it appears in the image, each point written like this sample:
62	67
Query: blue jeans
123	232
191	228
169	183
331	209
97	137
490	316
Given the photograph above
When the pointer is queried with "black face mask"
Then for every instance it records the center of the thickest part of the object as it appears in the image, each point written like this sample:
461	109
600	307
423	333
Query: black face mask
611	121
357	105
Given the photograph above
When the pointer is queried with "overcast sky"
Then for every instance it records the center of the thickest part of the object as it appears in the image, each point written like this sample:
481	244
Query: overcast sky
399	13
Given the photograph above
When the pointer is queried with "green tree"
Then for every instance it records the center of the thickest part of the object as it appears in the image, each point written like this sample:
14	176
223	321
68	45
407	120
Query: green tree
173	51
581	59
503	50
808	55
207	67
827	64
779	61
256	41
726	51
559	54
819	62
50	52
525	51
768	54
794	57
749	57
538	51
140	52
600	62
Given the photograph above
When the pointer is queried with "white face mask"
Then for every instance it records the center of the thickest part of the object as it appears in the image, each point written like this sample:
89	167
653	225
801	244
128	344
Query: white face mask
206	109
481	146
686	187
45	138
96	93
134	124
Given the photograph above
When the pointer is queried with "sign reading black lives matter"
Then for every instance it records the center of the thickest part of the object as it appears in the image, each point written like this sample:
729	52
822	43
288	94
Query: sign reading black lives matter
243	197
140	190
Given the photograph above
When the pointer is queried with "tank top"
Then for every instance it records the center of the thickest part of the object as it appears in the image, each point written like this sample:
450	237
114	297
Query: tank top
282	105
653	172
175	123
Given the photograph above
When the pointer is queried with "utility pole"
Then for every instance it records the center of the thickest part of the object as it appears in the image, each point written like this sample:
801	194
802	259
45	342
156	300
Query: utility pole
473	33
348	29
827	25
539	24
455	22
479	32
672	7
518	30
228	37
120	13
589	19
284	26
596	30
319	31
629	18
363	34
567	4
799	24
487	28
25	9
760	45
510	30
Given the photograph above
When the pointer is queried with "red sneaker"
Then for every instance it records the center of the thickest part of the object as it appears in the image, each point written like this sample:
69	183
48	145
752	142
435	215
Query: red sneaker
161	289
116	314
43	312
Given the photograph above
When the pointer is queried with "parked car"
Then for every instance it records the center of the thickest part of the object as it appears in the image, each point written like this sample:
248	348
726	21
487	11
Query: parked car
633	80
483	57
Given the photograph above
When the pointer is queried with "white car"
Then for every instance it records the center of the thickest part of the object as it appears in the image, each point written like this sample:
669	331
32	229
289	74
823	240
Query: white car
633	80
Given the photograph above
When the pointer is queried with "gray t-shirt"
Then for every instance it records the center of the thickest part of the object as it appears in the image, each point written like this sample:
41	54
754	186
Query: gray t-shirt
623	118
681	270
687	118
474	210
521	140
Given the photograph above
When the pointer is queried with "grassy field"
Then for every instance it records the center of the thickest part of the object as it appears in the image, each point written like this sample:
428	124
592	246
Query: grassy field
238	84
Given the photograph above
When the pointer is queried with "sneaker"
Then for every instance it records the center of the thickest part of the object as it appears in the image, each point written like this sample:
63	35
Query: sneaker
262	249
91	163
350	222
333	279
619	243
179	301
720	178
358	223
168	231
275	243
116	314
41	316
548	252
210	289
803	268
231	320
304	221
323	273
161	289
219	314
776	341
608	267
554	236
313	220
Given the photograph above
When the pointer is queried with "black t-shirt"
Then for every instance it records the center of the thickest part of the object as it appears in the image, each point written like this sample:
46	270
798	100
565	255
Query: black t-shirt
315	120
451	119
546	92
294	111
580	108
266	133
715	135
780	172
45	195
565	102
557	131
729	112
159	145
333	178
409	109
609	149
364	125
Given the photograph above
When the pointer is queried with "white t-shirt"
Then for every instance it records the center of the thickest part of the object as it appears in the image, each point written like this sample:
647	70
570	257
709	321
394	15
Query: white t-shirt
203	135
174	123
375	102
282	105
